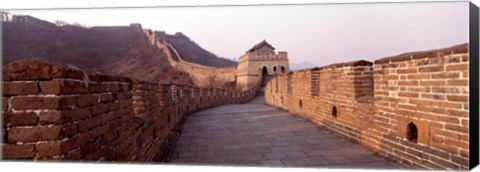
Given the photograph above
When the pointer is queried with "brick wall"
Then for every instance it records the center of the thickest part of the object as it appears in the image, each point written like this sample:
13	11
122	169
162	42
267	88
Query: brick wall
412	108
60	112
429	90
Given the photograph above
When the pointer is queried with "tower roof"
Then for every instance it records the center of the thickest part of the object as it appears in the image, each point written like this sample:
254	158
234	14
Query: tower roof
259	45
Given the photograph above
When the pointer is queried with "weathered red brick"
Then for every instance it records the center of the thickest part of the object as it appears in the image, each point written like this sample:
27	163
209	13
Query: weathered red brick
431	69
465	122
384	77
107	117
87	100
19	119
435	103
112	87
70	130
432	83
11	151
99	109
427	115
75	141
464	153
456	128
455	143
101	153
460	160
106	97
407	94
24	103
408	83
433	96
457	98
437	153
449	119
89	148
122	96
445	133
89	123
48	149
20	88
456	67
63	87
76	114
100	130
114	106
97	87
445	75
34	134
446	90
444	163
4	103
418	76
125	87
73	155
457	82
465	137
465	74
407	70
50	117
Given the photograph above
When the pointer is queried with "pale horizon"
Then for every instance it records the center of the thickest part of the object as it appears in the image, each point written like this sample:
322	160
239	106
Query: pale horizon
320	34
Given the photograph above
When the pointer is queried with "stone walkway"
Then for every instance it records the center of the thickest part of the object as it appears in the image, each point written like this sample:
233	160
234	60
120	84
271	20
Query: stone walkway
254	134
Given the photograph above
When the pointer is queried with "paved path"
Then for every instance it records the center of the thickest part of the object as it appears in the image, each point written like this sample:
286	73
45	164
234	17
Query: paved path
254	134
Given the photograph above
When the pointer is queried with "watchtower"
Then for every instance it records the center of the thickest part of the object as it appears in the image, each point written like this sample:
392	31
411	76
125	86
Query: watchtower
260	62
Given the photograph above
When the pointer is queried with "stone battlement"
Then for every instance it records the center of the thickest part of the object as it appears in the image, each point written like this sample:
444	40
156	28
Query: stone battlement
55	111
412	108
258	56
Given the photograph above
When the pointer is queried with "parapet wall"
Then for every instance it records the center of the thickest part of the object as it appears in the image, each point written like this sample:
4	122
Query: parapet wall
60	112
411	108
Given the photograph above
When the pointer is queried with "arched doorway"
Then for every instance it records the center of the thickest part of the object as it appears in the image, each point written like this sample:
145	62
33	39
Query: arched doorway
282	68
264	70
274	69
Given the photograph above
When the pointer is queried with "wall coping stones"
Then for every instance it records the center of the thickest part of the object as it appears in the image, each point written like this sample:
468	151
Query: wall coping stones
337	65
33	69
461	48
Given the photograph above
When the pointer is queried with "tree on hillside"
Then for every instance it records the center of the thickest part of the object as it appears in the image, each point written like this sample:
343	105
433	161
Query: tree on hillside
60	23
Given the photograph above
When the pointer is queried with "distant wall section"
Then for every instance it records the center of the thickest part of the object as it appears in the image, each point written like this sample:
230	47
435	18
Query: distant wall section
203	76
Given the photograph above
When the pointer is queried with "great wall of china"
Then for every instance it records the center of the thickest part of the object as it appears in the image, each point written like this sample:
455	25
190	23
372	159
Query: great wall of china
412	108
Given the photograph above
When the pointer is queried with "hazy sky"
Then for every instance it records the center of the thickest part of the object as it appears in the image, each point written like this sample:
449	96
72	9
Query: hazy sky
320	34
